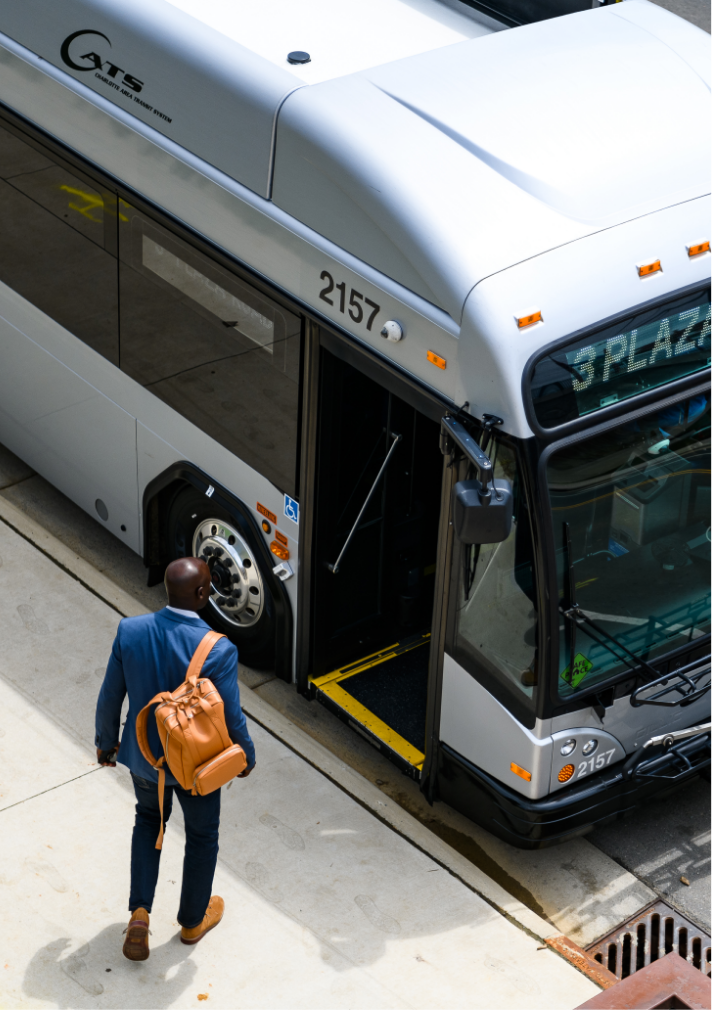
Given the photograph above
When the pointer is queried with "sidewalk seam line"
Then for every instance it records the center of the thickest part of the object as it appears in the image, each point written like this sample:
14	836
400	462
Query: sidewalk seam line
50	790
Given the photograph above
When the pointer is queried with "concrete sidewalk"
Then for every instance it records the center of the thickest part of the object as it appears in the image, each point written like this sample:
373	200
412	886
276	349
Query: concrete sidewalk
326	904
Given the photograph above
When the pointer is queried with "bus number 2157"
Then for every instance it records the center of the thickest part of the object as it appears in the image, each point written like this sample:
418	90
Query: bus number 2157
356	300
594	763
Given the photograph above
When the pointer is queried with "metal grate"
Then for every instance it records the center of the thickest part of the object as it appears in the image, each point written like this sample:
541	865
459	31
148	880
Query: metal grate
650	934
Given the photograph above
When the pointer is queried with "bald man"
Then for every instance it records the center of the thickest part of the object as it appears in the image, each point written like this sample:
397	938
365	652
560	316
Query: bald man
150	654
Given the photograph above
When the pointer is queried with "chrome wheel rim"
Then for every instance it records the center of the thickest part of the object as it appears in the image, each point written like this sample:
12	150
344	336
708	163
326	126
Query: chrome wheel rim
236	593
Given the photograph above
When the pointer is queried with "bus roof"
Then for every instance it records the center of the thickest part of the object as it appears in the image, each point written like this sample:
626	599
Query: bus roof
419	139
444	168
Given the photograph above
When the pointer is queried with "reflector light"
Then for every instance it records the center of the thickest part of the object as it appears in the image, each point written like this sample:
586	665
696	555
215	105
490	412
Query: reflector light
646	269
528	320
566	773
698	248
435	359
279	550
266	526
521	772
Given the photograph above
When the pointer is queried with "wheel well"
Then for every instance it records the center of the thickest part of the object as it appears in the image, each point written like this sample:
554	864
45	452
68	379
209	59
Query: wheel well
157	500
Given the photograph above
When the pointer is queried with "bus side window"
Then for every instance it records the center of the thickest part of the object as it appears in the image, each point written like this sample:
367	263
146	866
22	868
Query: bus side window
210	345
495	622
58	240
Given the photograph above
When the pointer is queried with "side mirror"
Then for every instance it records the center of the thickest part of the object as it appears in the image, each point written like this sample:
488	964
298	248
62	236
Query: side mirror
482	516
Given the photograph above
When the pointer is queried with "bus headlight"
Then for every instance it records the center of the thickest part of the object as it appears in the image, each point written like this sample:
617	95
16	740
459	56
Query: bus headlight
589	747
568	748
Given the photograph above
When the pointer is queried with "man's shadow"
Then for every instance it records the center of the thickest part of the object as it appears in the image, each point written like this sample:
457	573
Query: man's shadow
97	974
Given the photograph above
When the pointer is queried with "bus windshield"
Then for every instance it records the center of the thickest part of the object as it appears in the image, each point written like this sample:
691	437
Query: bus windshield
634	505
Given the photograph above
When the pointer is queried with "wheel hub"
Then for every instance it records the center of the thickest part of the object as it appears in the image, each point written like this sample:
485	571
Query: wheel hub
236	592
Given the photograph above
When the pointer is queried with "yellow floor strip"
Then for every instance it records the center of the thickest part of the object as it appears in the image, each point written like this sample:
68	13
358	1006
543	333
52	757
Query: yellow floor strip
329	685
375	725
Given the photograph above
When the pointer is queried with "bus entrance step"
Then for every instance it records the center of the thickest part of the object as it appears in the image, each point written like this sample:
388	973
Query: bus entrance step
385	693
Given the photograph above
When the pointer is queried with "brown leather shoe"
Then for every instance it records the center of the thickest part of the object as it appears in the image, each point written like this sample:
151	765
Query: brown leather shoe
213	915
136	942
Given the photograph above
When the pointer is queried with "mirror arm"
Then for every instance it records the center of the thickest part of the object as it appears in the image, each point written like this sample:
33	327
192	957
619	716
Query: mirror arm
459	435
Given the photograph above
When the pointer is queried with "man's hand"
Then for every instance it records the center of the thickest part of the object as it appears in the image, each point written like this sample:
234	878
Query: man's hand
107	758
243	775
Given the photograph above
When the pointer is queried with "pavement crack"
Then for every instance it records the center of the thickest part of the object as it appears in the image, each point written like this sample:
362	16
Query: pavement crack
50	790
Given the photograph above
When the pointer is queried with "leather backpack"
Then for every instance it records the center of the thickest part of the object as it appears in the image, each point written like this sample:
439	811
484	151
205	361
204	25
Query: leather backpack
191	724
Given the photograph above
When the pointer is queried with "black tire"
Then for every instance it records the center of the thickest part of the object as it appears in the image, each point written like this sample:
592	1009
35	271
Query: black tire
251	629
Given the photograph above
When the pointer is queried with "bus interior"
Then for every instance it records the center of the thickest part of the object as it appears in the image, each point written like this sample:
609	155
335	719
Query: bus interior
373	610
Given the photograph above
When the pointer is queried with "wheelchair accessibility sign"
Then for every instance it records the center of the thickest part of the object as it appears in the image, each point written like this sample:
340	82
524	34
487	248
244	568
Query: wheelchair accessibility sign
291	509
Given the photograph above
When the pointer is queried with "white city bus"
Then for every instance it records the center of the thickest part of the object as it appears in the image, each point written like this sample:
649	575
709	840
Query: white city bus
398	314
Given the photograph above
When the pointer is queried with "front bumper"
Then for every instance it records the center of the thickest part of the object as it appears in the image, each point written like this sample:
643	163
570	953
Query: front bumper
536	824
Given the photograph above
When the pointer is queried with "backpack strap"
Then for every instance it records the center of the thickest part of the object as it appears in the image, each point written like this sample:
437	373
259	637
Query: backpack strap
161	790
200	655
141	729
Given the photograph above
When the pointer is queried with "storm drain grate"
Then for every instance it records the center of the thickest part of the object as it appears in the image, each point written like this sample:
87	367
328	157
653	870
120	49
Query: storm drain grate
650	934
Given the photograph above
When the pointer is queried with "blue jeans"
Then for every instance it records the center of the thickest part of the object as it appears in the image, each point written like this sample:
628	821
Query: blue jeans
202	822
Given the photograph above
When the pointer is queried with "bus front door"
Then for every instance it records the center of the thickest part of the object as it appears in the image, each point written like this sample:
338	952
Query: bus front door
376	511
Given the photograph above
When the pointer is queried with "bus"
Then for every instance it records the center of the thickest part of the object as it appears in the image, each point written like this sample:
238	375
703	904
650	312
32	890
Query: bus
398	315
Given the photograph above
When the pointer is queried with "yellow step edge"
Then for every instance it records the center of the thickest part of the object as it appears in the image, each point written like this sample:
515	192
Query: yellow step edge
371	722
361	664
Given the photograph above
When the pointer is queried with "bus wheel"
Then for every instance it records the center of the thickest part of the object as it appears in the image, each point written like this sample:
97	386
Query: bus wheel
240	604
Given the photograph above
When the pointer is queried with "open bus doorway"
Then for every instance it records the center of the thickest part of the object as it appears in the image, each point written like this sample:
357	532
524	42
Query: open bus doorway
375	546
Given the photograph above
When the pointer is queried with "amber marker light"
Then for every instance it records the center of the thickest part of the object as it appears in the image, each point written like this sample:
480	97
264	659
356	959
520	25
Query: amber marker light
646	269
436	360
697	249
279	550
530	319
565	773
266	526
521	772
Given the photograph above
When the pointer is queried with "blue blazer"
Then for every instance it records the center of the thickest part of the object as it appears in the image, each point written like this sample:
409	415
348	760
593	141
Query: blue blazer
150	654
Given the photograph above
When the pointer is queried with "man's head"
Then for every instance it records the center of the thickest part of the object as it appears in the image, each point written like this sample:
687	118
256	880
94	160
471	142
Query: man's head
187	584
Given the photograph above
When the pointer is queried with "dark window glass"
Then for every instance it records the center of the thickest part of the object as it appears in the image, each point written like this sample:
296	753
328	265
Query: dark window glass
643	351
211	346
58	236
495	627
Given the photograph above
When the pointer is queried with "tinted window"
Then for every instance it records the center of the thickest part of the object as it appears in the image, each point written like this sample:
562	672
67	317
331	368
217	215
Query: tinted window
58	232
211	346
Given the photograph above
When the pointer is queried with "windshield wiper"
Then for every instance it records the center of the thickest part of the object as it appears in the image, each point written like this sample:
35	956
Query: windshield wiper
577	617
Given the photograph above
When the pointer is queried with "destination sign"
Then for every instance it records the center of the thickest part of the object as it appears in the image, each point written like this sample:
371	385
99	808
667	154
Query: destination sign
643	352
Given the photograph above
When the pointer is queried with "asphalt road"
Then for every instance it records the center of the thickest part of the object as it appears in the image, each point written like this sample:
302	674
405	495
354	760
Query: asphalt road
696	11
